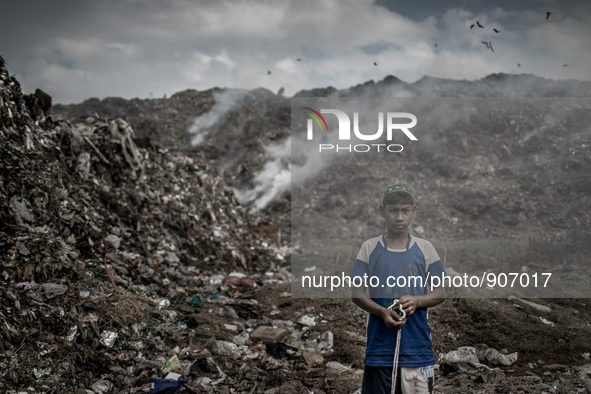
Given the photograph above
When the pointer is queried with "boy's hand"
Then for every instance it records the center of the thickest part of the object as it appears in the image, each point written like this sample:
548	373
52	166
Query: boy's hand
392	319
409	304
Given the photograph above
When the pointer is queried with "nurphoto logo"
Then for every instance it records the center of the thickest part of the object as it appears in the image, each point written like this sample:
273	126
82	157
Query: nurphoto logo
345	130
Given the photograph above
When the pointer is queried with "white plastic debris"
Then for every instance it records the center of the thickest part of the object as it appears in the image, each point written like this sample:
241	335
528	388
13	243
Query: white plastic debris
307	320
336	367
546	321
172	376
102	386
113	240
327	340
108	338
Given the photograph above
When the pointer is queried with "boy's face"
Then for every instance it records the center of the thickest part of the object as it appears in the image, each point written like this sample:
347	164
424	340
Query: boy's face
398	217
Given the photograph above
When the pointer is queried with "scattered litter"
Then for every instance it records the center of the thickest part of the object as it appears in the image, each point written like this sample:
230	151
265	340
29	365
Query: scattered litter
327	340
534	305
51	290
313	358
165	386
269	334
464	360
102	386
308	320
113	241
493	357
173	364
546	321
108	338
336	367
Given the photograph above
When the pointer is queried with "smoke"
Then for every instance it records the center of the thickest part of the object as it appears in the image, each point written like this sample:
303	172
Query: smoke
294	161
224	102
272	181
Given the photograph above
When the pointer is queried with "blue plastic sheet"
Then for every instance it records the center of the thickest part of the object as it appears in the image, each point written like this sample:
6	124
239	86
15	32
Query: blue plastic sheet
164	386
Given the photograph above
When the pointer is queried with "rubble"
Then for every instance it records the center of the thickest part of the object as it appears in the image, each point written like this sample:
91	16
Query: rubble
81	206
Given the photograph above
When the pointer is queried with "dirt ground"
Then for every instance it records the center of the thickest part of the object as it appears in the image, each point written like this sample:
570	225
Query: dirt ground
550	352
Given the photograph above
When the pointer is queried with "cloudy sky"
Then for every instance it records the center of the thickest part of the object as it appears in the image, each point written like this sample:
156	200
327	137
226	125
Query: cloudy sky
77	49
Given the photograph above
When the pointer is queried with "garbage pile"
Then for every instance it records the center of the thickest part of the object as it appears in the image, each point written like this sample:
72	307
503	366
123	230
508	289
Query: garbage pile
231	129
111	255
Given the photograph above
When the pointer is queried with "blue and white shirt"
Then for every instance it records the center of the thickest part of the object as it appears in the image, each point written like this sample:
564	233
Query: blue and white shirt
411	266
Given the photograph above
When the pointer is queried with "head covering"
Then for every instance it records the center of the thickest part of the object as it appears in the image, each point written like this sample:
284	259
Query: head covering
398	188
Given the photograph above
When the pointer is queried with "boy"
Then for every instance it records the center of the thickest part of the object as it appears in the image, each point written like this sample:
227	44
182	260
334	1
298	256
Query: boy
395	258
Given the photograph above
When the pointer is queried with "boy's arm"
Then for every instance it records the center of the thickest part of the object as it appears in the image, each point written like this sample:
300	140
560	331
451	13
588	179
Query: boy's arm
390	317
411	303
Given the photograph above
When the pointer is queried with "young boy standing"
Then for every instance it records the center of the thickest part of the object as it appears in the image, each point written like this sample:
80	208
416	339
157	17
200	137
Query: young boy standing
402	263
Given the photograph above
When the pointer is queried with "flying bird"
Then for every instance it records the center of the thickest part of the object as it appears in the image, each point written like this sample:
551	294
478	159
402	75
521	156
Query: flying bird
565	65
479	25
472	25
435	45
488	45
496	31
268	72
518	65
299	60
547	15
375	64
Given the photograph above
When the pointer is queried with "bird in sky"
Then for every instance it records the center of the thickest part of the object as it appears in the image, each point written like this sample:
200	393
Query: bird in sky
375	64
479	25
299	60
518	65
547	15
488	45
435	45
565	65
472	25
268	72
496	31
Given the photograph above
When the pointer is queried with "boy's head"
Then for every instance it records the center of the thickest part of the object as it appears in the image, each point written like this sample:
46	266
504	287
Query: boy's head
398	194
398	208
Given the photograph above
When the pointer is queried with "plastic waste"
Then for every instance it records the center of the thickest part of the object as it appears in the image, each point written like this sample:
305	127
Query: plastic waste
108	338
173	364
51	290
269	334
102	386
493	357
113	240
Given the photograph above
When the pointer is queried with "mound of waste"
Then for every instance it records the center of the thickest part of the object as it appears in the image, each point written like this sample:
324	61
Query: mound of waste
245	134
108	250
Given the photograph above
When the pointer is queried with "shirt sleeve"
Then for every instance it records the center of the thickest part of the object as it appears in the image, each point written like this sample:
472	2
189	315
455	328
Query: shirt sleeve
433	262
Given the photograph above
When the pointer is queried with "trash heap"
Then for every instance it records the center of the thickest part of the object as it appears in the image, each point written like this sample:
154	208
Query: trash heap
110	255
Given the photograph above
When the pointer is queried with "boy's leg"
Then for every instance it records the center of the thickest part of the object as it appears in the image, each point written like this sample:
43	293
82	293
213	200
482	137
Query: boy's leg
417	380
378	380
